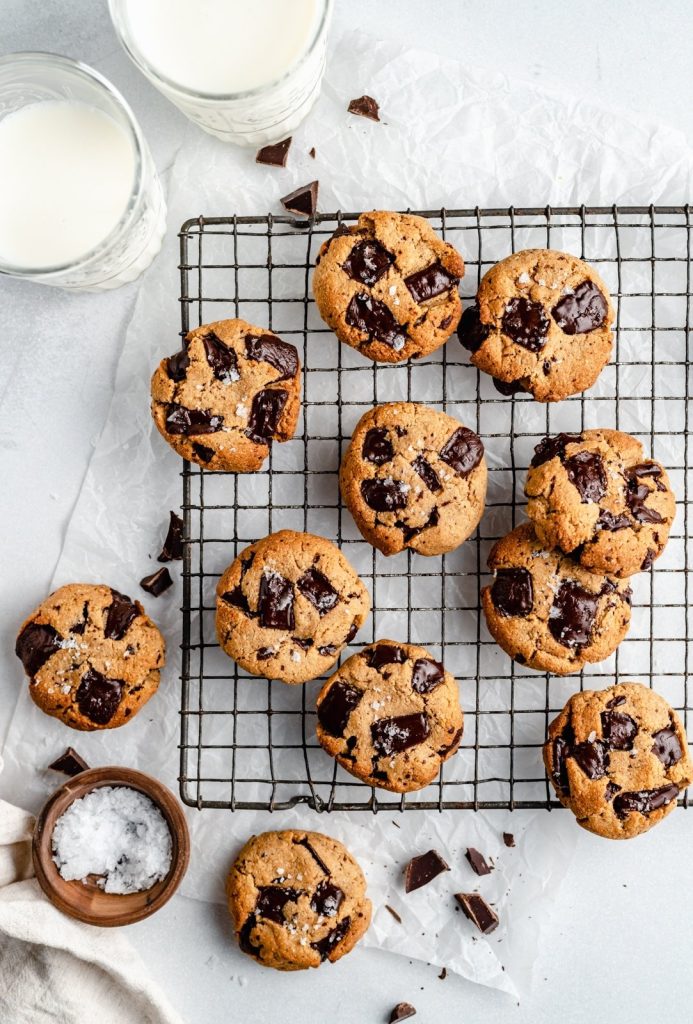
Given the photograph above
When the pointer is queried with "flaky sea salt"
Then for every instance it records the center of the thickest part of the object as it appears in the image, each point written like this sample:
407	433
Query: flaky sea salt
116	833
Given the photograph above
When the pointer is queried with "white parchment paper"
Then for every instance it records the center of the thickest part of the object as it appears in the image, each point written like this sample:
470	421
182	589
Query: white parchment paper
449	136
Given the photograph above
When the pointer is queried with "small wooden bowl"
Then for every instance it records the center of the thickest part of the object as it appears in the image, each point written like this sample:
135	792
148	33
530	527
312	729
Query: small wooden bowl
86	901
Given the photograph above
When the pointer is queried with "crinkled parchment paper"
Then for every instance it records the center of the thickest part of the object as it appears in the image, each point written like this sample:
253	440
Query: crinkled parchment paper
449	136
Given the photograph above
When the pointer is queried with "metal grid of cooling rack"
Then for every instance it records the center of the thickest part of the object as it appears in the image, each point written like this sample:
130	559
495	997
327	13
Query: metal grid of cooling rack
249	743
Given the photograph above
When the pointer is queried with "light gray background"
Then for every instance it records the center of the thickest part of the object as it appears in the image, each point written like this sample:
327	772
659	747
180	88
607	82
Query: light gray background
619	937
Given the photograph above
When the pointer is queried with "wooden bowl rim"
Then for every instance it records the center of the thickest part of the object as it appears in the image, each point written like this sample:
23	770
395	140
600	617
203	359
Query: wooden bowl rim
69	897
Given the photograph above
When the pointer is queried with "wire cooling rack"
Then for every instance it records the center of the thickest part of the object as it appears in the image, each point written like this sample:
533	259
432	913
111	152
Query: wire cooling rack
250	743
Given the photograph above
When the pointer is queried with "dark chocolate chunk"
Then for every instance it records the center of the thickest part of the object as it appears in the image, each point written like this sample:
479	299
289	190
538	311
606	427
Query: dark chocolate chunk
325	945
409	532
265	414
610	791
276	601
222	360
97	697
526	323
471	332
394	913
303	642
177	366
265	653
316	587
119	616
512	592
583	311
507	388
592	758
336	706
182	421
618	729
80	626
427	474
365	106
384	654
393	735
463	451
477	910
477	862
70	763
268	349
553	447
384	495
305	841
427	675
403	1011
35	644
311	152
302	201
509	839
586	472
431	281
237	598
172	550
647	561
423	869
274	155
352	631
326	899
572	615
637	494
271	902
616	702
645	800
649	469
368	261
443	974
158	582
666	746
562	749
327	650
608	521
374	318
452	745
203	452
245	936
377	446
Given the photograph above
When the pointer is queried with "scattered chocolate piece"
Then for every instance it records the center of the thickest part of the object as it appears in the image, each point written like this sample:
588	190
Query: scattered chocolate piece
431	281
98	697
394	913
302	201
423	869
583	311
311	152
402	1012
377	446
274	155
478	911
365	106
265	414
509	839
443	974
172	551
335	708
477	862
70	763
512	592
158	582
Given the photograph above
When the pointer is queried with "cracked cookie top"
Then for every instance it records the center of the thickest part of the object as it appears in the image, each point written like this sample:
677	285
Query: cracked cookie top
388	286
414	478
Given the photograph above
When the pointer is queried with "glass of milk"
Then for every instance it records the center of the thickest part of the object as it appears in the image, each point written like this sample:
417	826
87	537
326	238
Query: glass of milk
80	202
247	71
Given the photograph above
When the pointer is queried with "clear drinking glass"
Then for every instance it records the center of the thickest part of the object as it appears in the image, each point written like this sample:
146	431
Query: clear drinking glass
256	117
128	249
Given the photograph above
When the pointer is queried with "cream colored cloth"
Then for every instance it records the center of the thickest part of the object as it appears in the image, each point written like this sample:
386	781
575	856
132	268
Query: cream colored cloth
55	969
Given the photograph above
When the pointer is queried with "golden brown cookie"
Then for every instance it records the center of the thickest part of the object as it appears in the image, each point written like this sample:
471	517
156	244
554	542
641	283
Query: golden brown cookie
391	716
388	286
618	758
227	395
413	478
92	656
288	605
541	323
549	613
595	495
297	899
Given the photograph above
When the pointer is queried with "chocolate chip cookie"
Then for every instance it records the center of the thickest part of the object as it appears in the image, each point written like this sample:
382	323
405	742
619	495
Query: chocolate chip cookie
595	495
92	656
549	613
618	758
231	391
391	716
297	899
541	323
288	605
413	478
388	286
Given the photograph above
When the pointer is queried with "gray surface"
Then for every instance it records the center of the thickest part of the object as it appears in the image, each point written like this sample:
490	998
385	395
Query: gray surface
617	945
